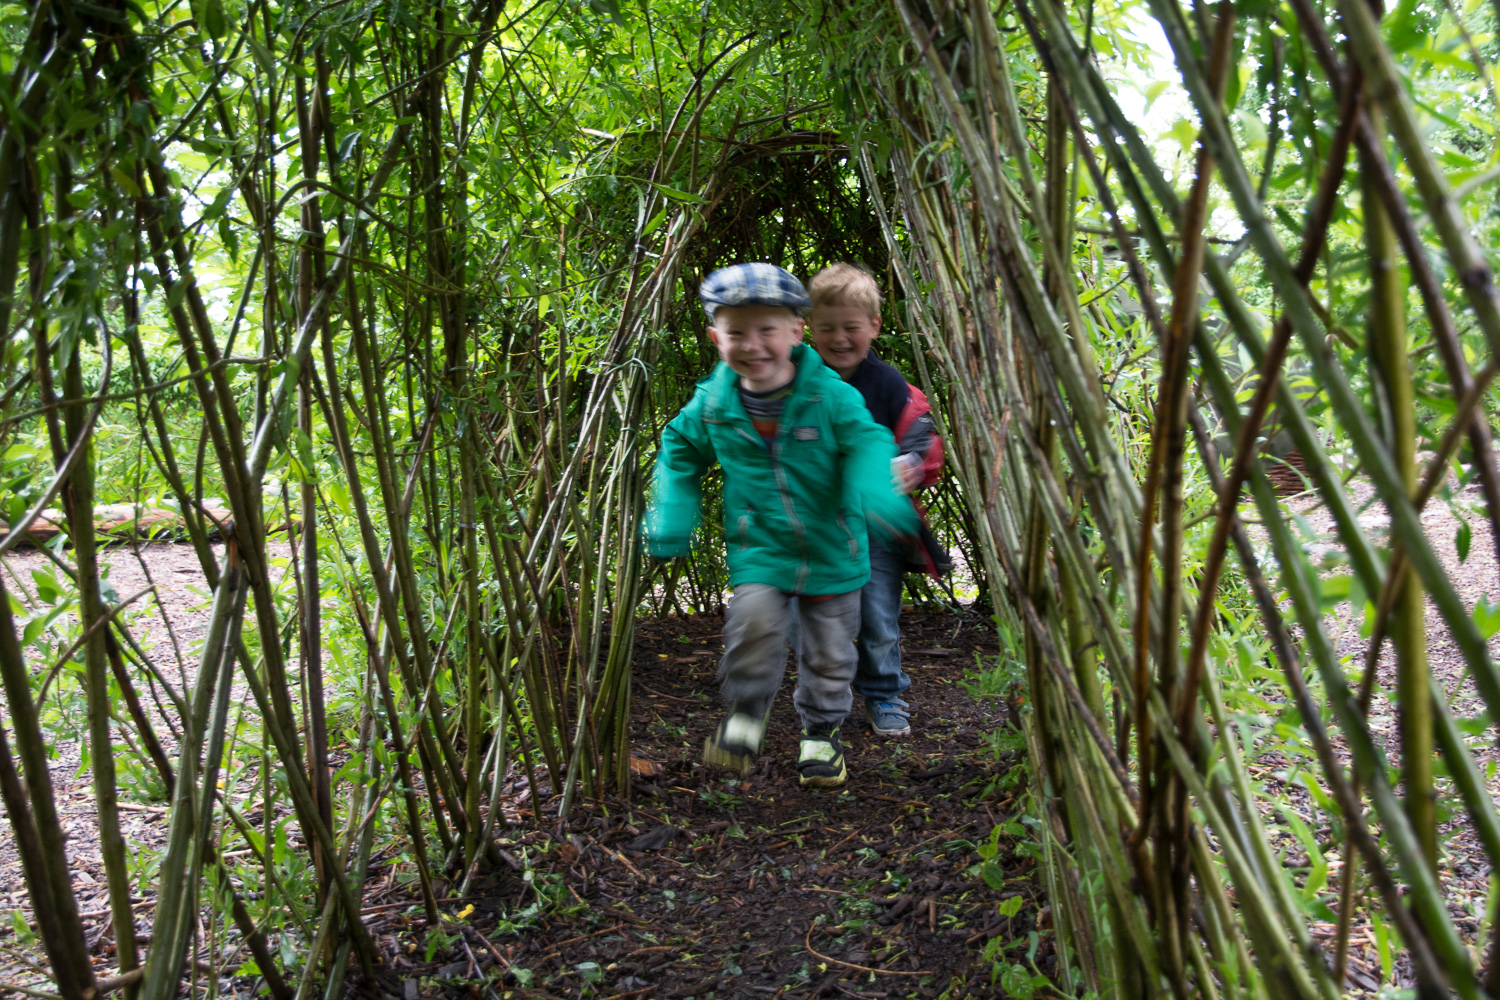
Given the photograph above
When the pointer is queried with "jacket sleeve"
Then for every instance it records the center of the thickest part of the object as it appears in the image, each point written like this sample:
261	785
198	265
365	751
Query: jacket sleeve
916	434
676	496
866	450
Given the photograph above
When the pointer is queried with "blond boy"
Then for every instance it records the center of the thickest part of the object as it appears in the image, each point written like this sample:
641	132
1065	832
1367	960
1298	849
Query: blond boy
844	323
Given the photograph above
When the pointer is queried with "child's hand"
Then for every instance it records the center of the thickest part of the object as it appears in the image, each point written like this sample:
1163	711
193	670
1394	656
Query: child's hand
906	473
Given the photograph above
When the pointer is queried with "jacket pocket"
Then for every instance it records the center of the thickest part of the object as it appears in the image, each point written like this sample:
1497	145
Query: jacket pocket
849	535
742	526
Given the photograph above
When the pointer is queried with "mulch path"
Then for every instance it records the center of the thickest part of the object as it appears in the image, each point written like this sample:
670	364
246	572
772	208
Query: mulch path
704	885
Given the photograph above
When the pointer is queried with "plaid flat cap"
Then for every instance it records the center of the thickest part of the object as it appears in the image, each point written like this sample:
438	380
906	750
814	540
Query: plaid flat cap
753	285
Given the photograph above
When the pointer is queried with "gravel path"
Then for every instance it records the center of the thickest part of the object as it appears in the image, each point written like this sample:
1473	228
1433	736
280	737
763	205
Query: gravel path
1464	868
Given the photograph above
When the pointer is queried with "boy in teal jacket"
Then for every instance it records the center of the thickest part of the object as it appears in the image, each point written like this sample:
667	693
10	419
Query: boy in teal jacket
807	476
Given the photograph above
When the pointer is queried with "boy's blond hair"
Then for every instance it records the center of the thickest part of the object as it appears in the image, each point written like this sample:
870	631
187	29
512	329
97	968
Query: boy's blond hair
845	285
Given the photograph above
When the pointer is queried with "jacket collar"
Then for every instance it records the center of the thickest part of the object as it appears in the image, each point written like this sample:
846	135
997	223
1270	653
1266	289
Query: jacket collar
723	384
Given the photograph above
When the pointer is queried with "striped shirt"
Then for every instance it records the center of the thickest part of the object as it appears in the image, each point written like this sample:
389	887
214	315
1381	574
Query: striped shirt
765	409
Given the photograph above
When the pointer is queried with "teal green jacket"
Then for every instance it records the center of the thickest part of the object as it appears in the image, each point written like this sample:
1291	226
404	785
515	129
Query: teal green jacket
797	515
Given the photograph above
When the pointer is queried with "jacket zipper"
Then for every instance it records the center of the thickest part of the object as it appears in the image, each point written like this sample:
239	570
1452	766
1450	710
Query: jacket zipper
804	568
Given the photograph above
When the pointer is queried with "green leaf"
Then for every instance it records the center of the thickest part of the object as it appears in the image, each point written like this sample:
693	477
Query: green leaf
1475	726
677	194
339	494
1444	60
609	8
1406	27
1254	128
1153	92
1016	981
1234	87
263	58
1316	879
229	238
213	19
46	586
1305	836
1382	945
346	146
33	629
1185	132
1487	616
1334	589
125	181
656	220
350	771
220	202
1462	538
1010	907
81	121
302	457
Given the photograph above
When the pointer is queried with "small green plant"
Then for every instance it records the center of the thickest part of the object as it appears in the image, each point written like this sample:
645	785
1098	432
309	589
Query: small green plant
719	798
438	941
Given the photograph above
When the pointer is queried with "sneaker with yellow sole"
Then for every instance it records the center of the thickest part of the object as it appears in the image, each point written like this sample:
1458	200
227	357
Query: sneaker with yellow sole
735	746
821	761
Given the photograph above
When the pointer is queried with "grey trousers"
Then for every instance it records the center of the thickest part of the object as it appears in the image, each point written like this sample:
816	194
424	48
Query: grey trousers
756	630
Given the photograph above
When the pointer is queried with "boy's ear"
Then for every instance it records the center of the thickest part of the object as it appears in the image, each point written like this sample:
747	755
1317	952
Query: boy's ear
799	330
875	322
713	335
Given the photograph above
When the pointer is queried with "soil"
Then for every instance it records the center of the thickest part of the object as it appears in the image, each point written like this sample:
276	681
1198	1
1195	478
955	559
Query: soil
705	885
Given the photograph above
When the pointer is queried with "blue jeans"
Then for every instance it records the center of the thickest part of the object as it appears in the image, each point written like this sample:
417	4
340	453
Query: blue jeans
878	675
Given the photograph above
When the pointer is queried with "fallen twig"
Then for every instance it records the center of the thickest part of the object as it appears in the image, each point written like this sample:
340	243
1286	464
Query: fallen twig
124	979
669	697
807	941
28	991
581	937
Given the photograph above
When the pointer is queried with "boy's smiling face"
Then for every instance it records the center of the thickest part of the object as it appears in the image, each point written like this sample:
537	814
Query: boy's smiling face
756	343
842	336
